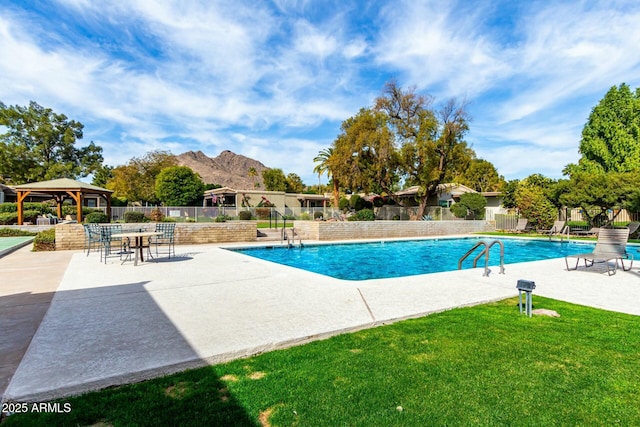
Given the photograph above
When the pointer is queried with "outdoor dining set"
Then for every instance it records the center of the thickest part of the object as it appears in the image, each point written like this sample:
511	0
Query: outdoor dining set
129	243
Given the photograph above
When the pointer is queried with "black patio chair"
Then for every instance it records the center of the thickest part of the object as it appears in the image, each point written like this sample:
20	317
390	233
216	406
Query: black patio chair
167	238
107	242
91	236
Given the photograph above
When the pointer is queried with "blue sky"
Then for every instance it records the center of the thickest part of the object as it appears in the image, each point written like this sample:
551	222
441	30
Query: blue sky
274	80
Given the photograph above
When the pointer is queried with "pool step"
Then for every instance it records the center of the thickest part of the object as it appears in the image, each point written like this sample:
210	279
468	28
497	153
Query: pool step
268	234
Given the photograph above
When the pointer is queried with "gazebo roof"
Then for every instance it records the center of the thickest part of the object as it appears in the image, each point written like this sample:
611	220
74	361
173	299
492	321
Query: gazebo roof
62	184
61	188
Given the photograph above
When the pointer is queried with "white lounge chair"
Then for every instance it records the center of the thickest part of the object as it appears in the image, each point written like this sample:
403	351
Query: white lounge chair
611	245
521	227
557	229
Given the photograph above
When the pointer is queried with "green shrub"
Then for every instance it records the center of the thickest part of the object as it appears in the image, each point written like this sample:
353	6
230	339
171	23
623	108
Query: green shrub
30	216
8	207
356	202
363	215
119	201
536	207
134	217
459	210
43	208
8	218
318	215
470	204
40	208
168	219
45	240
73	210
343	203
12	232
96	218
221	218
244	215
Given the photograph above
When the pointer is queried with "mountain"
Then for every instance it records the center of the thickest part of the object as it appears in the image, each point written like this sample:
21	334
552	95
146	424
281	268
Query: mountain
227	169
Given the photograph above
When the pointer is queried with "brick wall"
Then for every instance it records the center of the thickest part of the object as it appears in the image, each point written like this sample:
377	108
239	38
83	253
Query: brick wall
341	230
71	236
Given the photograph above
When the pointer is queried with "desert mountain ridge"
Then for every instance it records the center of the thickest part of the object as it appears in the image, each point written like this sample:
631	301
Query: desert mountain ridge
228	169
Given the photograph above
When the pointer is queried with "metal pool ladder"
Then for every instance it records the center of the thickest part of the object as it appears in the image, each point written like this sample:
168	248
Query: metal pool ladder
290	236
485	252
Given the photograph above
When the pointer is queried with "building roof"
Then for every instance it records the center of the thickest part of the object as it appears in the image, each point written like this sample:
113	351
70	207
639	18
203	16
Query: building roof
6	189
453	188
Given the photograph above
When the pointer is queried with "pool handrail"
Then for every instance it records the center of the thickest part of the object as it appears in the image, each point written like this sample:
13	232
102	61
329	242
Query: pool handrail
485	252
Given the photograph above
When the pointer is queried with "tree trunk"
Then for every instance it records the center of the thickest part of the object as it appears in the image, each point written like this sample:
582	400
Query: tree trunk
336	193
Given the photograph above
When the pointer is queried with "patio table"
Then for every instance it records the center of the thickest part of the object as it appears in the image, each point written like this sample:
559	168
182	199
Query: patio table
139	243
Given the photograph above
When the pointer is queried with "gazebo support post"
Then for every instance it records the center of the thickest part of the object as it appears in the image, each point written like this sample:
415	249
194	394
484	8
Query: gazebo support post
59	199
77	197
20	196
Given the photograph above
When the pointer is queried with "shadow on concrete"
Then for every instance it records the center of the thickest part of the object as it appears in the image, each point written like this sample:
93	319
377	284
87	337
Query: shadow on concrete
20	317
104	337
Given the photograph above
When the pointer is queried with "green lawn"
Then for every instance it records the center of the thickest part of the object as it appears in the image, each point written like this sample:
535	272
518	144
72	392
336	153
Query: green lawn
484	365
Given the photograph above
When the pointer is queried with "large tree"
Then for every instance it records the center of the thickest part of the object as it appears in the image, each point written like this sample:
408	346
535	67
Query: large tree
364	156
432	146
481	175
597	193
274	180
179	186
611	137
294	183
102	175
606	176
136	180
41	145
401	138
533	202
323	160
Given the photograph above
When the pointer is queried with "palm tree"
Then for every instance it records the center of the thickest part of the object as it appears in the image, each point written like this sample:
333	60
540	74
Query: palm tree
323	160
253	173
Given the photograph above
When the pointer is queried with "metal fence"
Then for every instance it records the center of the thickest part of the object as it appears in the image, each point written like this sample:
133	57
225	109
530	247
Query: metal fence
504	221
574	217
209	214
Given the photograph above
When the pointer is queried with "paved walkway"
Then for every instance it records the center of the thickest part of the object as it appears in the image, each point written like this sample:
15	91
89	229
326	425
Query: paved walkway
110	324
28	281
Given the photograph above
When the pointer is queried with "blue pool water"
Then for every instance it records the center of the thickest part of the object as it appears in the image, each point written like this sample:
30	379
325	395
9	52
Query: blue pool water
377	260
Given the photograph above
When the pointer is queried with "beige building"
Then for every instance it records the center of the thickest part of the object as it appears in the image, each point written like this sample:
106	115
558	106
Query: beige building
240	199
449	194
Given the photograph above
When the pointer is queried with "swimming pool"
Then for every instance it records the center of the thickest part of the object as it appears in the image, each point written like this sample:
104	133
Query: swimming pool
377	260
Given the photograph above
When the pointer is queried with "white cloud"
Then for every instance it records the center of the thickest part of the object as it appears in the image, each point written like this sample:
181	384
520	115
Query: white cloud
440	45
277	79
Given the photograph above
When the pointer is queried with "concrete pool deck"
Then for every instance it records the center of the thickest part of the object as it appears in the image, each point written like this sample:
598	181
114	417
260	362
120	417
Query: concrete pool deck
110	324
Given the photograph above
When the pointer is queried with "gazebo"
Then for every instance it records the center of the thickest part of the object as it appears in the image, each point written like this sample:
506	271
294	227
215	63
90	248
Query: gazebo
61	189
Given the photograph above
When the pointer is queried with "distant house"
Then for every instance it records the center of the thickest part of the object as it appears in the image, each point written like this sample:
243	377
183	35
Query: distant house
7	194
449	194
229	197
